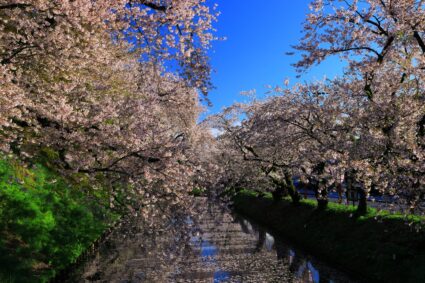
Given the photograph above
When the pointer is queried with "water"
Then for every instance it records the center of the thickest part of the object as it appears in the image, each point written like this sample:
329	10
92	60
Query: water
215	245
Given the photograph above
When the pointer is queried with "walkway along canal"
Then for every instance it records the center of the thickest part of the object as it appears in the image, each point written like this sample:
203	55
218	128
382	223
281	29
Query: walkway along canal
218	246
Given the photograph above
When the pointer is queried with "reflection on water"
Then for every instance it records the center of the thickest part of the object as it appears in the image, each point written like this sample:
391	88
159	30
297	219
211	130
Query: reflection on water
216	246
304	267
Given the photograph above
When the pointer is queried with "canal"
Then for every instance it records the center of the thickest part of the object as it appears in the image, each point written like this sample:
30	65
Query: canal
213	244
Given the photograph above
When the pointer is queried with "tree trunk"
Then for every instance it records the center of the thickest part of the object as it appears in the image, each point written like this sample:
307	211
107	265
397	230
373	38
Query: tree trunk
278	193
295	196
322	203
321	196
362	206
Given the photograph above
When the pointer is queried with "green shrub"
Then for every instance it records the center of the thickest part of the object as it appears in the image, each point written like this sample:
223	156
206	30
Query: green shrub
45	223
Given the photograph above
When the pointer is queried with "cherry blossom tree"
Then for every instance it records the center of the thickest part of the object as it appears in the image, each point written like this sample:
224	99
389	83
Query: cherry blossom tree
265	150
325	131
86	84
49	36
383	43
365	33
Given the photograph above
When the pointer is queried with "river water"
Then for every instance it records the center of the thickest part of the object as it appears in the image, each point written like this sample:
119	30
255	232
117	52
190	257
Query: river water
216	245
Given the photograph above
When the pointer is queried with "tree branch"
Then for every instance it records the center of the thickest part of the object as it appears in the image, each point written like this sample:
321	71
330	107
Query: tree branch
153	6
14	6
419	40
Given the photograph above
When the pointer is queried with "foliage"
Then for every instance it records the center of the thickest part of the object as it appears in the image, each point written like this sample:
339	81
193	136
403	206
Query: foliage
197	192
45	223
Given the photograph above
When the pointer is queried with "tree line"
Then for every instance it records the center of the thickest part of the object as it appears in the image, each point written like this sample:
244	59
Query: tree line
364	129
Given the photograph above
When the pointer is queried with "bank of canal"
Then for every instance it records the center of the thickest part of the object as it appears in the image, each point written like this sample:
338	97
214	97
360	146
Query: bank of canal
217	246
378	246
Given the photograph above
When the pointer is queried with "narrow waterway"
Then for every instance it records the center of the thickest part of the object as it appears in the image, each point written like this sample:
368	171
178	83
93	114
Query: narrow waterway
216	245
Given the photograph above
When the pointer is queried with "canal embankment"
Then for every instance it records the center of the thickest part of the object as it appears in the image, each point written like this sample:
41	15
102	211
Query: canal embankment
378	247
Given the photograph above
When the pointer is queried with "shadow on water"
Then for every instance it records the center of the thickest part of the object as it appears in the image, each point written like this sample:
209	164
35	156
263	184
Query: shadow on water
216	246
303	266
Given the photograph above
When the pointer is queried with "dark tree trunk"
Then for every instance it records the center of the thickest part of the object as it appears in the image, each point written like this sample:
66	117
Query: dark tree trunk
279	192
362	206
284	187
295	196
321	196
319	187
260	194
322	203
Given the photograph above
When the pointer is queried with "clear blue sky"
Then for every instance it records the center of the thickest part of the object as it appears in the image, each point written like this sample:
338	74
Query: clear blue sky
259	33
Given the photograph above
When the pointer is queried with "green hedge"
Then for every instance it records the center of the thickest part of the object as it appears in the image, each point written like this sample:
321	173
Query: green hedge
379	247
45	223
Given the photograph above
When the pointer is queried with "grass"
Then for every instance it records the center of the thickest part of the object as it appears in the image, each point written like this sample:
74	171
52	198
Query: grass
378	247
45	222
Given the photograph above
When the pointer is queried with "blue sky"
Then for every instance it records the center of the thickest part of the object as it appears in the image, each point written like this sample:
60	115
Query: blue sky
259	33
